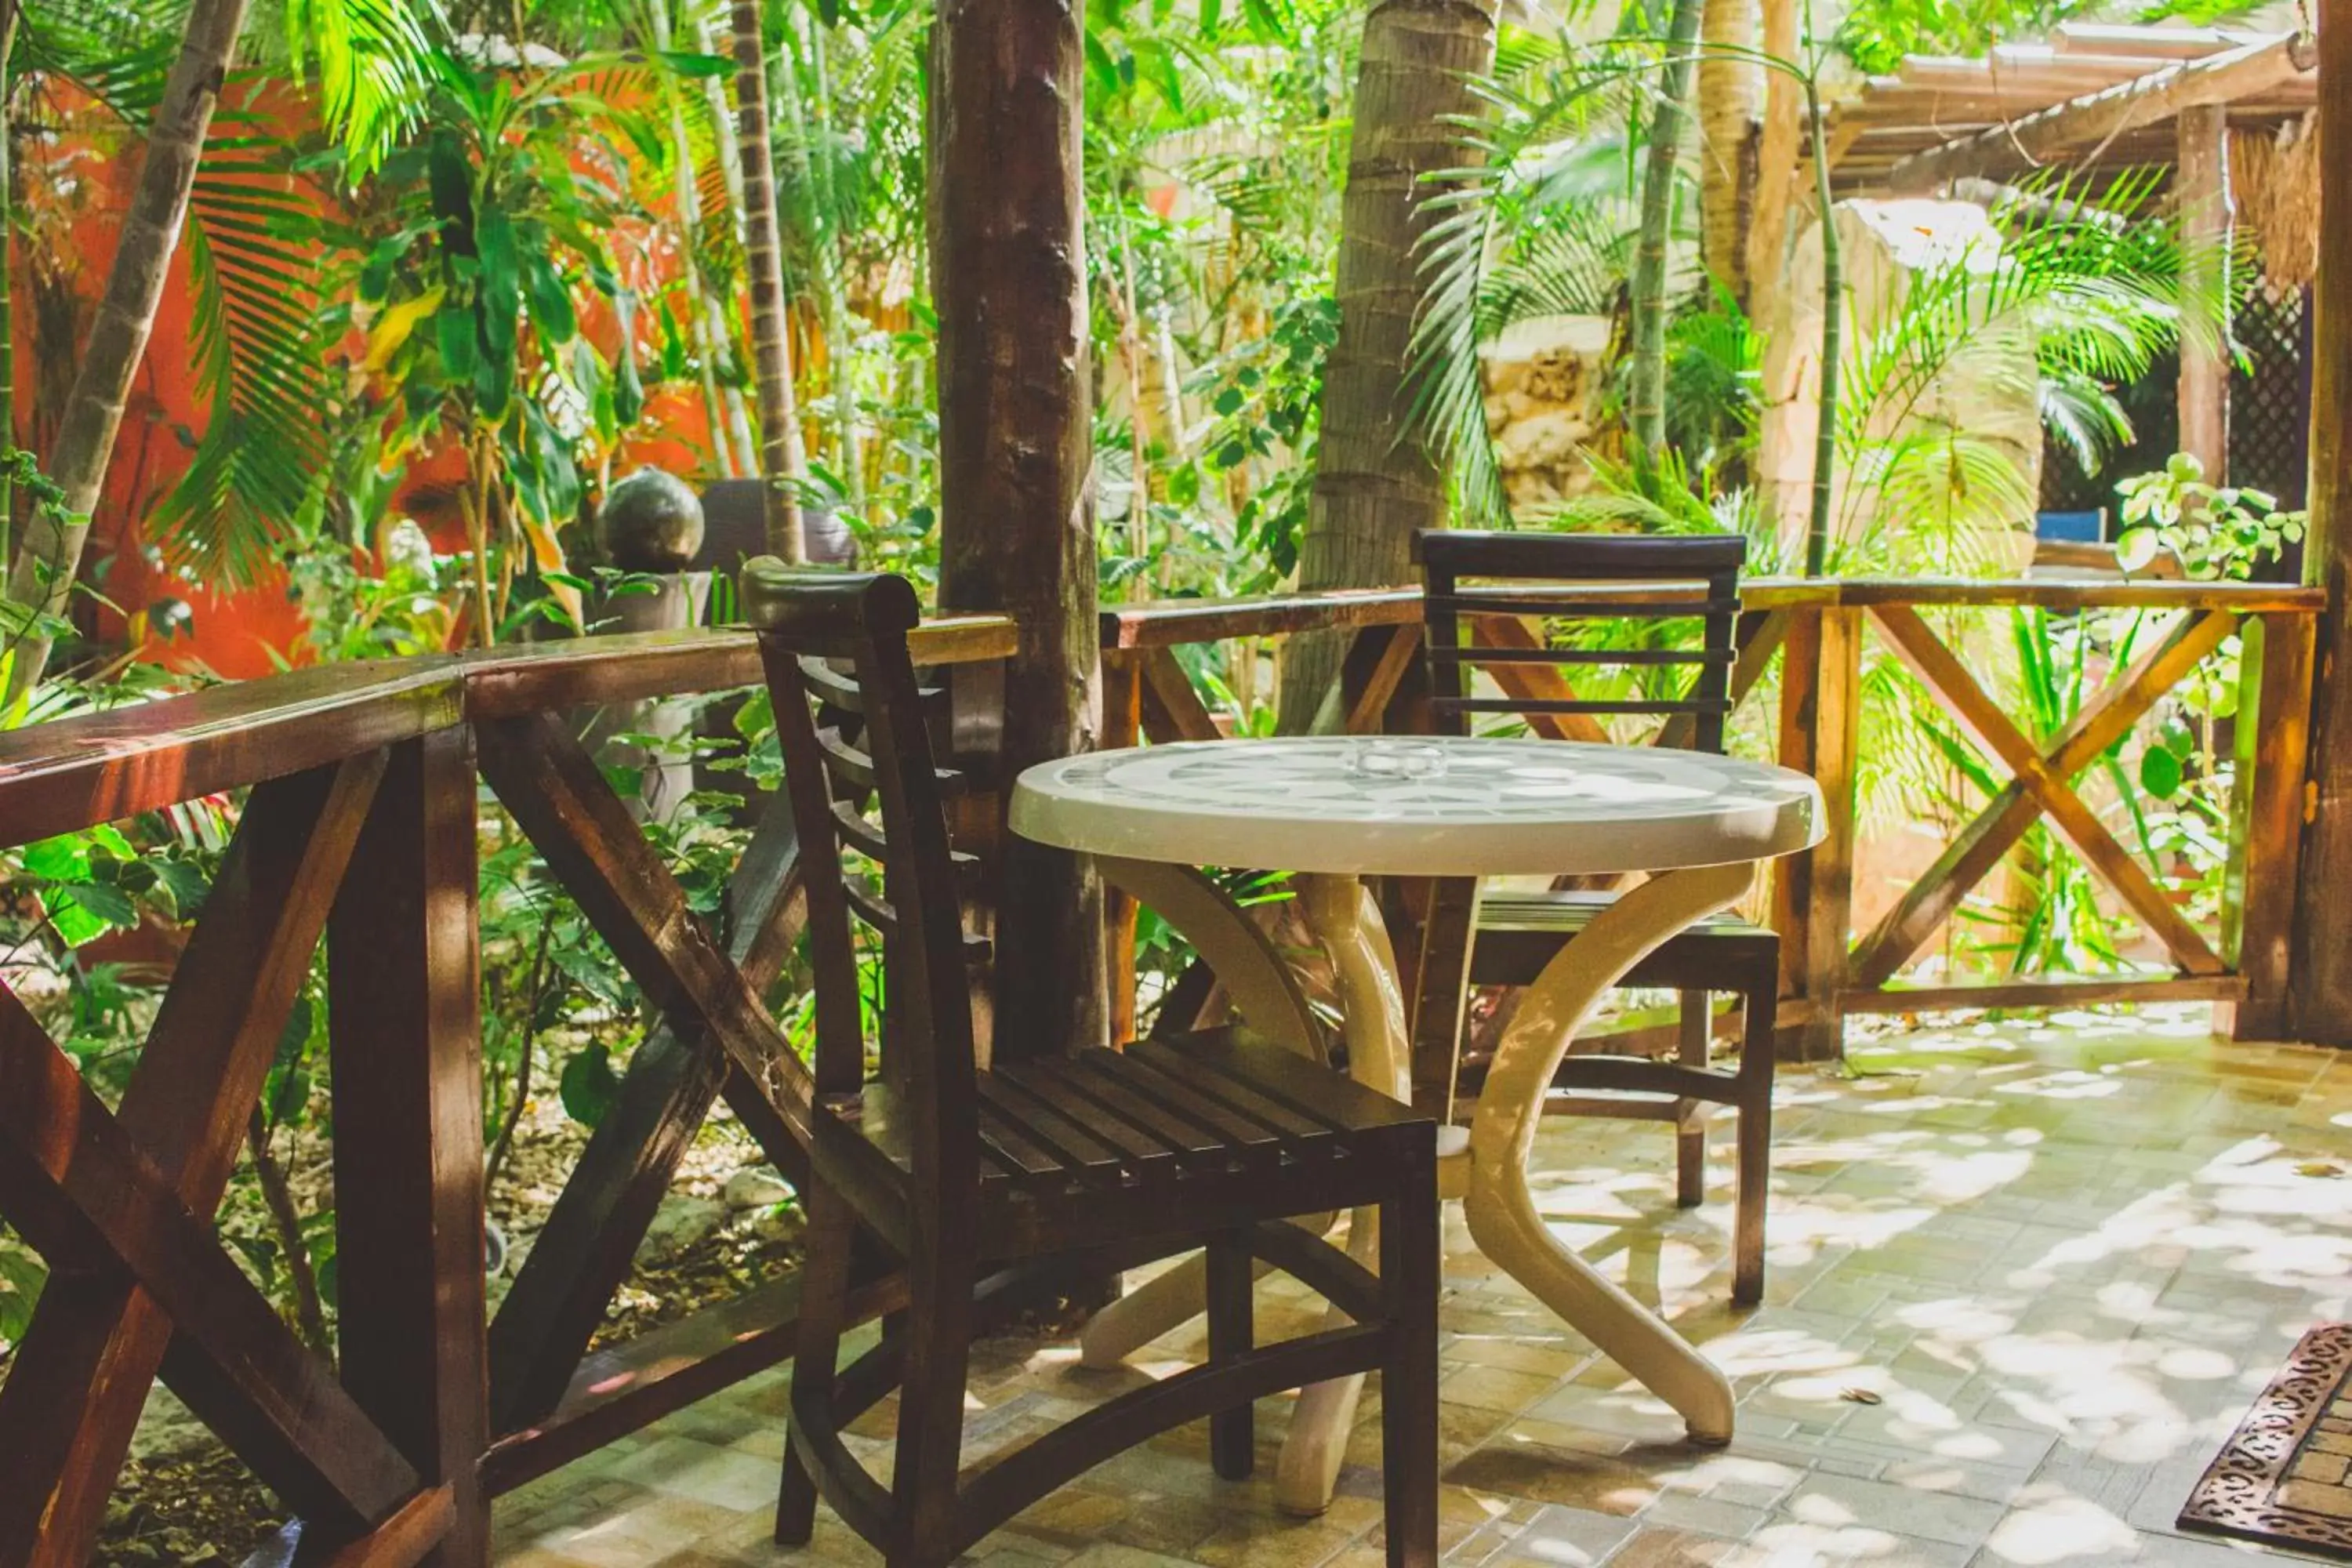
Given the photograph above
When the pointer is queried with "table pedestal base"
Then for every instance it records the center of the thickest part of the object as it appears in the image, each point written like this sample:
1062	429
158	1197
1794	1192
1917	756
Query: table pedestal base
1491	1171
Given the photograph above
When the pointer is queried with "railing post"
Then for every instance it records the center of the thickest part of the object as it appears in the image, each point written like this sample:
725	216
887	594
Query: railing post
1812	893
2271	746
404	1018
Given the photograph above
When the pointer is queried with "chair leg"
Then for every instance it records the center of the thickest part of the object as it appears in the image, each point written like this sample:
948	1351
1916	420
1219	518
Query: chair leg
825	1288
923	1490
1690	1130
1409	1278
1756	1064
1231	1433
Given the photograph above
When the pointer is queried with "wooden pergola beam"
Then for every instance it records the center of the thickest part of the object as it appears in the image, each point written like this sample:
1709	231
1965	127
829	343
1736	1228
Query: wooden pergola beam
2148	43
2052	134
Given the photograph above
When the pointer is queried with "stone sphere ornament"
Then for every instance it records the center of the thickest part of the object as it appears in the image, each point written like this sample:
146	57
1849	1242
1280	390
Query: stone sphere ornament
650	521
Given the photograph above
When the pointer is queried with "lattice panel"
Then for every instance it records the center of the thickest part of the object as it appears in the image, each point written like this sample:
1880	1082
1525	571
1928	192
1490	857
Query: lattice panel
2270	402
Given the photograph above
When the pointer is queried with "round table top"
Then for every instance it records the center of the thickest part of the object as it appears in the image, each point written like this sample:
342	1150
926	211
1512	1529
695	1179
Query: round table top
1338	804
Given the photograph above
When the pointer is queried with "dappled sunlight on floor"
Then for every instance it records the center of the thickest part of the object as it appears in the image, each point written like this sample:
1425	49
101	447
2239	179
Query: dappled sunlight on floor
2024	1281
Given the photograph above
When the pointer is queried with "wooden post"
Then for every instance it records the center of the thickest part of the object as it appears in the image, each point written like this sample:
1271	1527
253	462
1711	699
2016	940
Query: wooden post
2206	215
1813	894
2319	1004
2265	820
403	999
1008	255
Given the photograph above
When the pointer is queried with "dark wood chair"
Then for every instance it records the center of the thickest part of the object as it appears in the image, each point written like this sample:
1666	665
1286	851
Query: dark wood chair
1573	578
958	1172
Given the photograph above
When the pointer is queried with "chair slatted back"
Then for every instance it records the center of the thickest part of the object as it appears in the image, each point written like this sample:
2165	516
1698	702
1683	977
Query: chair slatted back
1469	576
853	723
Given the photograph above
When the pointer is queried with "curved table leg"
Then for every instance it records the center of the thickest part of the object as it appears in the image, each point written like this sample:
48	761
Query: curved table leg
1266	993
1348	922
1500	1208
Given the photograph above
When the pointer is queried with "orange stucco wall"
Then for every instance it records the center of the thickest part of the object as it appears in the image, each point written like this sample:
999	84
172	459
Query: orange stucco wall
84	180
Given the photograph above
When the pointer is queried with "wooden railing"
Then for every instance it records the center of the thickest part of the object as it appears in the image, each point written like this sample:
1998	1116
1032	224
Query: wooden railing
360	826
1813	633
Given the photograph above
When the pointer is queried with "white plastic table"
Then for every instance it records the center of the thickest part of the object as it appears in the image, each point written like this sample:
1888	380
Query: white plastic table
1339	808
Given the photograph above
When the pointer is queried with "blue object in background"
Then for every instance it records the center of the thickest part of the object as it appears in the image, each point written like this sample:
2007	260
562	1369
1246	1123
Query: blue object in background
2072	527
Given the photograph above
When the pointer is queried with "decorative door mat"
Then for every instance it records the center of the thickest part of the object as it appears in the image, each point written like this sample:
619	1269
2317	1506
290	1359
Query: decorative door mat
2286	1476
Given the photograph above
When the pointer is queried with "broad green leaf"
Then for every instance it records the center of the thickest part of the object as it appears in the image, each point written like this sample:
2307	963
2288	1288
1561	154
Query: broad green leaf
2159	773
589	1085
454	334
65	859
550	300
107	901
188	886
687	63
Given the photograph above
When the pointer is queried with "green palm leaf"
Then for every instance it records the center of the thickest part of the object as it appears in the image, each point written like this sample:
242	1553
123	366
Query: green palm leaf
259	351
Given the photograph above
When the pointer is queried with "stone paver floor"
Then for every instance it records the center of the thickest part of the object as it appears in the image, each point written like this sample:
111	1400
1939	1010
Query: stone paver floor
2024	1279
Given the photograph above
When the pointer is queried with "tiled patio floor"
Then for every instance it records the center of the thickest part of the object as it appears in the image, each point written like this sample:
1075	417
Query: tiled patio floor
2024	1279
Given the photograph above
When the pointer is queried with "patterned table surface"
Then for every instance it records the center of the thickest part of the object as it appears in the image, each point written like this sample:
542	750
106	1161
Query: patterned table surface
1425	807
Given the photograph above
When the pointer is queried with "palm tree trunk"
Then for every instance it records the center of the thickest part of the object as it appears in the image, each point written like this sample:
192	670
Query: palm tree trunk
43	576
783	464
1728	80
1376	482
1817	522
1647	411
1776	161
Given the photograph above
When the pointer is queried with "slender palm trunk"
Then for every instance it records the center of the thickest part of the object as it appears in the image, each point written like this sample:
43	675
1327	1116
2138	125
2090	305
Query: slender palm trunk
9	14
783	464
1729	81
1376	481
1647	402
832	293
43	576
731	174
702	316
1776	161
1817	522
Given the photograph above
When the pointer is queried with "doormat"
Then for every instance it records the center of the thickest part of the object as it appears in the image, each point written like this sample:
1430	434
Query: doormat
2285	1476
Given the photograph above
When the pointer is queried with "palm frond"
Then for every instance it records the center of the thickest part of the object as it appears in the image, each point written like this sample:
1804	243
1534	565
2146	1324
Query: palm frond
1501	243
118	51
259	348
378	63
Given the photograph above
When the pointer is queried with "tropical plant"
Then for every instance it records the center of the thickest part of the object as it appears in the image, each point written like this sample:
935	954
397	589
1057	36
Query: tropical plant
2214	530
491	219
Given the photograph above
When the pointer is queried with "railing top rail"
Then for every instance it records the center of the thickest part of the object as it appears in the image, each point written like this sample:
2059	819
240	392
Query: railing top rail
1161	623
502	682
101	767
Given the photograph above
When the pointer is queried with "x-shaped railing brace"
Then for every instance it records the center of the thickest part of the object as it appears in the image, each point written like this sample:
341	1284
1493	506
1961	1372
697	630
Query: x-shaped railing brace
2043	785
715	1037
119	1205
